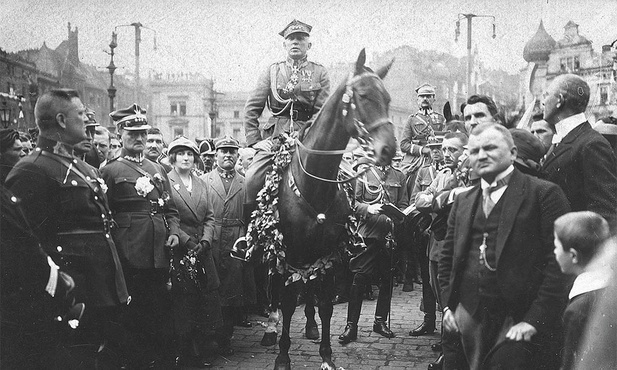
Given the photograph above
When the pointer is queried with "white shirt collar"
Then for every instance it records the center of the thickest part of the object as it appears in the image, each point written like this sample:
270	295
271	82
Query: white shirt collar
484	184
589	281
564	126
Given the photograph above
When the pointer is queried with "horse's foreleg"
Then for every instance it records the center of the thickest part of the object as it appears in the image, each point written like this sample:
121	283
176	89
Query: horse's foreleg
269	338
288	306
325	314
310	329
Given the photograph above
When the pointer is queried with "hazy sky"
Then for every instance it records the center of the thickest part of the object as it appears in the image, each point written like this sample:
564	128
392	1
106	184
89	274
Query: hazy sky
234	40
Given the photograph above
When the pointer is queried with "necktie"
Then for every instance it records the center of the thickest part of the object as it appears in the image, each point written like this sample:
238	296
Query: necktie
487	203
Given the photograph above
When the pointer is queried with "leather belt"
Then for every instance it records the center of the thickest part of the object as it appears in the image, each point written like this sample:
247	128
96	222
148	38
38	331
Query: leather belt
152	208
228	222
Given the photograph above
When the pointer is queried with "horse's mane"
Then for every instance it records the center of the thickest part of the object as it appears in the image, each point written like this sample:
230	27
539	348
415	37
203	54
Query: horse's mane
335	96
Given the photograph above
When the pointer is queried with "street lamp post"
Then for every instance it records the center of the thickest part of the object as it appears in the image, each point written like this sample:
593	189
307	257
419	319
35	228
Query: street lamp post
112	68
469	17
5	116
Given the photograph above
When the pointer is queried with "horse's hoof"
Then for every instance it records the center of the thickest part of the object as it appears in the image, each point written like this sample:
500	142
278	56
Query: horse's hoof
269	339
283	366
311	332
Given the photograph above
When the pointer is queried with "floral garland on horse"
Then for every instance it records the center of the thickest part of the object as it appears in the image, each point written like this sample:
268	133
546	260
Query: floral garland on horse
263	230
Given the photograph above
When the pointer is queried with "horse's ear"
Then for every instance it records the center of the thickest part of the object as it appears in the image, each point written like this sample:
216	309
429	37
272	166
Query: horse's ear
383	71
447	112
360	62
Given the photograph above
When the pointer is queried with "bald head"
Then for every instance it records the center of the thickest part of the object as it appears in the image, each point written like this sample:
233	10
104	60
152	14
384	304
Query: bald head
574	90
566	96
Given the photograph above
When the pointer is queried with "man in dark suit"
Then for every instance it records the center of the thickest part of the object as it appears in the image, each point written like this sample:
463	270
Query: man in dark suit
501	287
147	227
581	161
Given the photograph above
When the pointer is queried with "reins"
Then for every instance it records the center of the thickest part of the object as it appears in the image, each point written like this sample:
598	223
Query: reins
364	140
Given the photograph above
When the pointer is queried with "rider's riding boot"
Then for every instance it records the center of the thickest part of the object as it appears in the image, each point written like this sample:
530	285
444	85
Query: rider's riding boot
240	249
353	314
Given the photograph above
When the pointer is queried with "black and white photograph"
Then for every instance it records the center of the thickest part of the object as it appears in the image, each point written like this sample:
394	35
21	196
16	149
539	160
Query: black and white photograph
328	184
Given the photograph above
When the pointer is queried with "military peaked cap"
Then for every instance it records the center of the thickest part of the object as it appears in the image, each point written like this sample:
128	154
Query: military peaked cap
91	120
227	142
425	89
132	118
296	27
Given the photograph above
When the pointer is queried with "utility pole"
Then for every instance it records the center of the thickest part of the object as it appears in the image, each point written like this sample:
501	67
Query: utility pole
470	90
138	26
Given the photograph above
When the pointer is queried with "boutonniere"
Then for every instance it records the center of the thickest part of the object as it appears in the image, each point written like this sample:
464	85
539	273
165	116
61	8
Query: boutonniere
164	199
102	184
144	186
177	187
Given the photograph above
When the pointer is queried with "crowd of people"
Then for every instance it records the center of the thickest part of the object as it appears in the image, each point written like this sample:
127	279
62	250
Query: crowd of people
136	238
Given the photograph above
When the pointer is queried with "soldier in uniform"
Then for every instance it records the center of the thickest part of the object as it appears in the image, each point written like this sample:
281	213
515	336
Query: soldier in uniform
293	90
147	227
380	186
419	129
65	201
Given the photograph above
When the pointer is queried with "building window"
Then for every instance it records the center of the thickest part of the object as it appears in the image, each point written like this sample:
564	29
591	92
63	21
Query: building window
577	64
603	95
236	114
177	108
178	131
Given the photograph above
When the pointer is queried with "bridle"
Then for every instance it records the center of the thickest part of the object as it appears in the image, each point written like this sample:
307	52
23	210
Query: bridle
362	130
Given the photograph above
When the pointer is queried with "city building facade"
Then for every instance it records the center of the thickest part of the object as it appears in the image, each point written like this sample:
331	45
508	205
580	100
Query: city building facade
572	53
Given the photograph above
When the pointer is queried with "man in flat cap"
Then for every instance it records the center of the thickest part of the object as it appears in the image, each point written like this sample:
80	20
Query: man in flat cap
65	201
294	90
147	227
225	189
419	130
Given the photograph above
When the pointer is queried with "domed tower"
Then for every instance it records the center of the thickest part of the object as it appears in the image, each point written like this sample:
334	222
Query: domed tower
536	53
539	47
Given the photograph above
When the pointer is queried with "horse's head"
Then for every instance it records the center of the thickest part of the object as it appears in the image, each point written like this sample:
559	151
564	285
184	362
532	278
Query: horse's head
368	102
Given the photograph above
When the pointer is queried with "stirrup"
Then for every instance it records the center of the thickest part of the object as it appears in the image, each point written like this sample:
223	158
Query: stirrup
240	251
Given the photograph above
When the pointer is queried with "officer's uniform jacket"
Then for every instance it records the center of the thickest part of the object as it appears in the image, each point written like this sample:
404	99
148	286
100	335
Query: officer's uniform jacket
418	129
64	200
143	224
378	226
299	104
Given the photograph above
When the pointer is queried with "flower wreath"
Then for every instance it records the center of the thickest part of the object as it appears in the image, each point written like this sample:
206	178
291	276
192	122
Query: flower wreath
263	231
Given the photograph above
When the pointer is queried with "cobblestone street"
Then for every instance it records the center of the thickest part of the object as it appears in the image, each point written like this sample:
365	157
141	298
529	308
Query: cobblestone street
370	351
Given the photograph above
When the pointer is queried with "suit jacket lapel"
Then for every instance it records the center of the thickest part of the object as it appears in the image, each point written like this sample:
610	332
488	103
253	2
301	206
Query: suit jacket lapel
465	218
512	199
217	184
181	190
236	186
566	143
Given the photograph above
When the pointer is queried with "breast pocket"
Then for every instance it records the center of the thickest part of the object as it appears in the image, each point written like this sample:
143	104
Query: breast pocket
73	194
310	86
124	187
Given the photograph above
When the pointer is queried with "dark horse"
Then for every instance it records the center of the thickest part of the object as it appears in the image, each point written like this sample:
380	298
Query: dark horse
358	108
